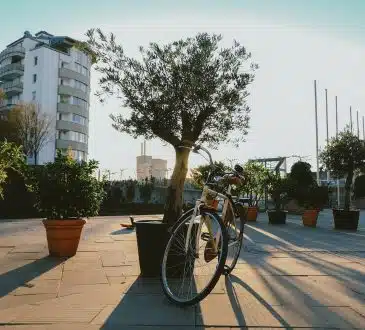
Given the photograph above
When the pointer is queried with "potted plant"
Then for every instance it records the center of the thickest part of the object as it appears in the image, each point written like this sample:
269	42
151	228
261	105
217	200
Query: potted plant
359	191
316	197
344	156
66	192
304	189
254	188
278	190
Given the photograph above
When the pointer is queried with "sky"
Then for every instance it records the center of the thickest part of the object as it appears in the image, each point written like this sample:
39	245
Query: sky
294	42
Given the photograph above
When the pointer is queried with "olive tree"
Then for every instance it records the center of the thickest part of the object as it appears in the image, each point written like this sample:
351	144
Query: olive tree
343	157
184	92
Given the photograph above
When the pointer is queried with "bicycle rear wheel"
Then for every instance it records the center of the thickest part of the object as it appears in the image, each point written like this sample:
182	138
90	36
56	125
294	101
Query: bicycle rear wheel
188	277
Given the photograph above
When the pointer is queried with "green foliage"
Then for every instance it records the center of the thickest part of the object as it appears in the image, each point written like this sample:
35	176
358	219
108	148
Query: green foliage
200	174
130	190
316	197
66	188
3	95
343	157
359	186
302	185
257	177
344	154
185	90
84	47
11	157
278	188
145	189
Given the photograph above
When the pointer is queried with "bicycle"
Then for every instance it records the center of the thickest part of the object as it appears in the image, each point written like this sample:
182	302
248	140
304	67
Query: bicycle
202	227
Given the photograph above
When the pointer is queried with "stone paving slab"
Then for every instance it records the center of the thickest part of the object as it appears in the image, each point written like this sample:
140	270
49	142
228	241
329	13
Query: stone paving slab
287	276
156	311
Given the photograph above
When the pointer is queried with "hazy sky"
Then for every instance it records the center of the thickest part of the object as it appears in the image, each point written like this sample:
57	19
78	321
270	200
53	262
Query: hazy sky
293	41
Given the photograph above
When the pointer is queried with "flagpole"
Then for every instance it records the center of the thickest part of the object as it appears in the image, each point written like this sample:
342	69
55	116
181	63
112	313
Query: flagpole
328	172
316	121
357	120
338	181
350	118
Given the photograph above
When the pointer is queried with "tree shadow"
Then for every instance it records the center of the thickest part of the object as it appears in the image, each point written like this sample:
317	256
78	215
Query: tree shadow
20	276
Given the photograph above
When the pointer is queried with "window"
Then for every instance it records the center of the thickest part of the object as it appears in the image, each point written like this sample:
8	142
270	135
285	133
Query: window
79	119
33	96
81	69
34	78
80	85
35	60
80	102
59	116
79	137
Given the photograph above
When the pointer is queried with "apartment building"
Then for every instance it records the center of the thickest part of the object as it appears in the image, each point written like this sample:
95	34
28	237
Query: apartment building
51	72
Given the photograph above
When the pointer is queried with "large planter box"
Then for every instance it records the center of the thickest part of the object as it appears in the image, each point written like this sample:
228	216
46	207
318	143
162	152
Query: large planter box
360	203
277	217
152	237
348	220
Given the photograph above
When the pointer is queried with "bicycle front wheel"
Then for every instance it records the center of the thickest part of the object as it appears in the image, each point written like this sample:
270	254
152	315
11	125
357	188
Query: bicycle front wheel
189	275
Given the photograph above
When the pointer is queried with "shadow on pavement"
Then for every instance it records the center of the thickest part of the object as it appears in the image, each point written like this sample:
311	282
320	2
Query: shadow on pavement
20	276
144	304
229	280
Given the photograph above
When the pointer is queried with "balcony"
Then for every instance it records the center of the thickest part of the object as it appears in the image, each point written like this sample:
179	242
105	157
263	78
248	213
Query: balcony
12	87
71	108
16	51
71	74
68	90
65	125
74	145
11	71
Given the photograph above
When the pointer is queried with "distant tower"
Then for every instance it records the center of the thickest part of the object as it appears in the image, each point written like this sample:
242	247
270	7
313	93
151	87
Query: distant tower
144	163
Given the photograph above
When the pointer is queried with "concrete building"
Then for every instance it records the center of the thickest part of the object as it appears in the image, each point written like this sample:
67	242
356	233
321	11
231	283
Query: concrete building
49	71
148	166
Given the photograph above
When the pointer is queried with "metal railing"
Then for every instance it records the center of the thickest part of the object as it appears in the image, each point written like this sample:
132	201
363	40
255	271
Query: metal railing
16	83
11	51
11	67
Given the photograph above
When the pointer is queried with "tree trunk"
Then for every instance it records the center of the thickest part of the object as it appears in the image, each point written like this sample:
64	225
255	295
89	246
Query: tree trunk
35	158
174	198
348	185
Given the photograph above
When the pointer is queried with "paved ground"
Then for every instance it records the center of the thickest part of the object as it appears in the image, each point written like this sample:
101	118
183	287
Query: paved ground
288	276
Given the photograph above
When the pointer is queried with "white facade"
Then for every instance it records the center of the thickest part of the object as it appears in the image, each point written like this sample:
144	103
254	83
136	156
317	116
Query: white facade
50	72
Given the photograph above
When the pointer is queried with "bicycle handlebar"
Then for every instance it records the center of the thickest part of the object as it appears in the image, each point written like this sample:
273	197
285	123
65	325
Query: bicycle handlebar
195	148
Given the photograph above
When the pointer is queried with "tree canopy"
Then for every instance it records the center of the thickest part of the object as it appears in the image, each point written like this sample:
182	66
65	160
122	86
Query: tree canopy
183	92
343	157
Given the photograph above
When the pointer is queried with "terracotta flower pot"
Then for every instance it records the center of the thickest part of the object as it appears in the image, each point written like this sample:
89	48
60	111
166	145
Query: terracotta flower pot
63	236
252	213
310	217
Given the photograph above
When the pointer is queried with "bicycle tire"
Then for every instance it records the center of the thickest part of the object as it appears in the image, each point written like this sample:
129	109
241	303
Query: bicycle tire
219	269
229	268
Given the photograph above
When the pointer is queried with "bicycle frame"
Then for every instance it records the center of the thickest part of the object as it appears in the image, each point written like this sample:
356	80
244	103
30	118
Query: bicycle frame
200	203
